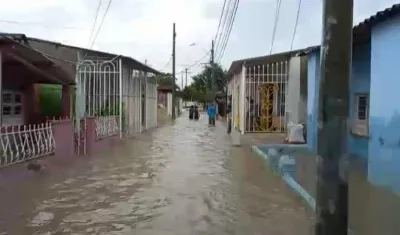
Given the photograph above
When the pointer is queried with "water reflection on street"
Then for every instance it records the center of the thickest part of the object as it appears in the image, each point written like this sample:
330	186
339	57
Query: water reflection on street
183	178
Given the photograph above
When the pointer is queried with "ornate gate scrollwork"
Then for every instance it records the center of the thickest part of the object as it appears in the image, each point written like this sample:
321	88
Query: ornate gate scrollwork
268	93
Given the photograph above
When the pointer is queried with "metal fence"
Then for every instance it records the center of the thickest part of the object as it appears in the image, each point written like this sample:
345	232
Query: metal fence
99	83
265	95
21	143
106	126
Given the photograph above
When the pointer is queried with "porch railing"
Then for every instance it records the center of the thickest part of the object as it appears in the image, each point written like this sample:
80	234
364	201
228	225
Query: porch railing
21	143
106	126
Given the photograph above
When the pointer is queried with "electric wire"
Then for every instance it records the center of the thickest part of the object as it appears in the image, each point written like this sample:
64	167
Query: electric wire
278	6
44	25
236	6
95	21
165	66
101	23
296	24
220	19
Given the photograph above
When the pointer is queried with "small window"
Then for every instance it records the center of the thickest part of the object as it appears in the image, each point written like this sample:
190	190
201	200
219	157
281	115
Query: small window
7	98
361	115
17	98
12	103
17	110
362	107
6	110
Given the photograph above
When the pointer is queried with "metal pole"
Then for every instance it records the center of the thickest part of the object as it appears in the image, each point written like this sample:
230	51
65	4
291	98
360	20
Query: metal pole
212	72
182	81
186	72
333	108
173	72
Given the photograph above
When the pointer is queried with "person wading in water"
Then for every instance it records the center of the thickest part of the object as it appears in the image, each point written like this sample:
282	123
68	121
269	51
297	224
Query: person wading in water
211	111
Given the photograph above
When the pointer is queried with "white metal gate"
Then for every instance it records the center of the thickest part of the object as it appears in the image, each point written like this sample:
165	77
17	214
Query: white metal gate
98	95
265	97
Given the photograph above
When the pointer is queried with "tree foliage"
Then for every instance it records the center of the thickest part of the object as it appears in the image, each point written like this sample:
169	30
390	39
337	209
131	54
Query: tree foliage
202	82
166	80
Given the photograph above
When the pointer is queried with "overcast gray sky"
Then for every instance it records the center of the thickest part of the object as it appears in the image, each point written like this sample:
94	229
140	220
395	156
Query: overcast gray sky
142	29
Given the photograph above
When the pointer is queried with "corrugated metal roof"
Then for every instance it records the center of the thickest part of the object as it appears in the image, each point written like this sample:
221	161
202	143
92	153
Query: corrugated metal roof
237	65
380	16
139	64
361	31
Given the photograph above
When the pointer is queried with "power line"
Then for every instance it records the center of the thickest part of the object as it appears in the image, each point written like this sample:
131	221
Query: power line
101	23
44	25
229	21
196	62
278	7
233	16
230	30
295	26
166	64
223	31
220	19
95	21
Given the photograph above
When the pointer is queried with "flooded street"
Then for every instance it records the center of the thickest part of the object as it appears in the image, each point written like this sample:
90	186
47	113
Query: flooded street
183	178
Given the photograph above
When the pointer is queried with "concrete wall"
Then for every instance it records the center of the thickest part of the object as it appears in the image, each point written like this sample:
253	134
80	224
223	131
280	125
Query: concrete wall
293	90
359	83
296	93
384	123
313	69
303	89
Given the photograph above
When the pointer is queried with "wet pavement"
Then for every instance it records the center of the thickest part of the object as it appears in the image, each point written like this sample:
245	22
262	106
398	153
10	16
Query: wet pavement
183	178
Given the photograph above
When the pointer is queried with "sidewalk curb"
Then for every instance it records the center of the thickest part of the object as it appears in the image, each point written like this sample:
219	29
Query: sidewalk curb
288	179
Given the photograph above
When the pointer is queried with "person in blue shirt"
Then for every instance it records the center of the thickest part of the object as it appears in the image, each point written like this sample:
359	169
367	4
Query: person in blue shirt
211	112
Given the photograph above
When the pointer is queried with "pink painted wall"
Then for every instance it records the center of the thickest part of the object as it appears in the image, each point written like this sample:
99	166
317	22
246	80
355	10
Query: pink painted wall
162	98
63	133
94	145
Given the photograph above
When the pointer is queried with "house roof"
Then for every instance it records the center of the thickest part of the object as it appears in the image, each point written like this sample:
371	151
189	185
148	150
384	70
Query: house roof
237	65
362	30
18	49
139	65
379	17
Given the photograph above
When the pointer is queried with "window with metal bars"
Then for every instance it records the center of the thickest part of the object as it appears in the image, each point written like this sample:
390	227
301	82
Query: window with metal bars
361	115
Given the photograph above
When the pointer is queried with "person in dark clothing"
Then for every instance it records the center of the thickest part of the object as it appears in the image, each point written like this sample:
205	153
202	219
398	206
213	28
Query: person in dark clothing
196	113
191	112
228	113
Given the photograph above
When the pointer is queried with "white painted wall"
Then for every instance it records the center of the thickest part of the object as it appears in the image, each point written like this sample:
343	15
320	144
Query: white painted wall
169	104
296	99
293	91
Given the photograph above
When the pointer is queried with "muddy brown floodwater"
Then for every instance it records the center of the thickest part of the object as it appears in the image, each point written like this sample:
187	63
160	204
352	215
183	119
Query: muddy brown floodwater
183	178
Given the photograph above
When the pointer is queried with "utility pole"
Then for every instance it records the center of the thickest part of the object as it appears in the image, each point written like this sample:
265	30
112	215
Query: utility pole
186	72
212	72
173	71
182	82
333	109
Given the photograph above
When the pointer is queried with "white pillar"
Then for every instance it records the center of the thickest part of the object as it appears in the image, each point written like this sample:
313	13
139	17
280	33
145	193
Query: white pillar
146	95
242	98
120	99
